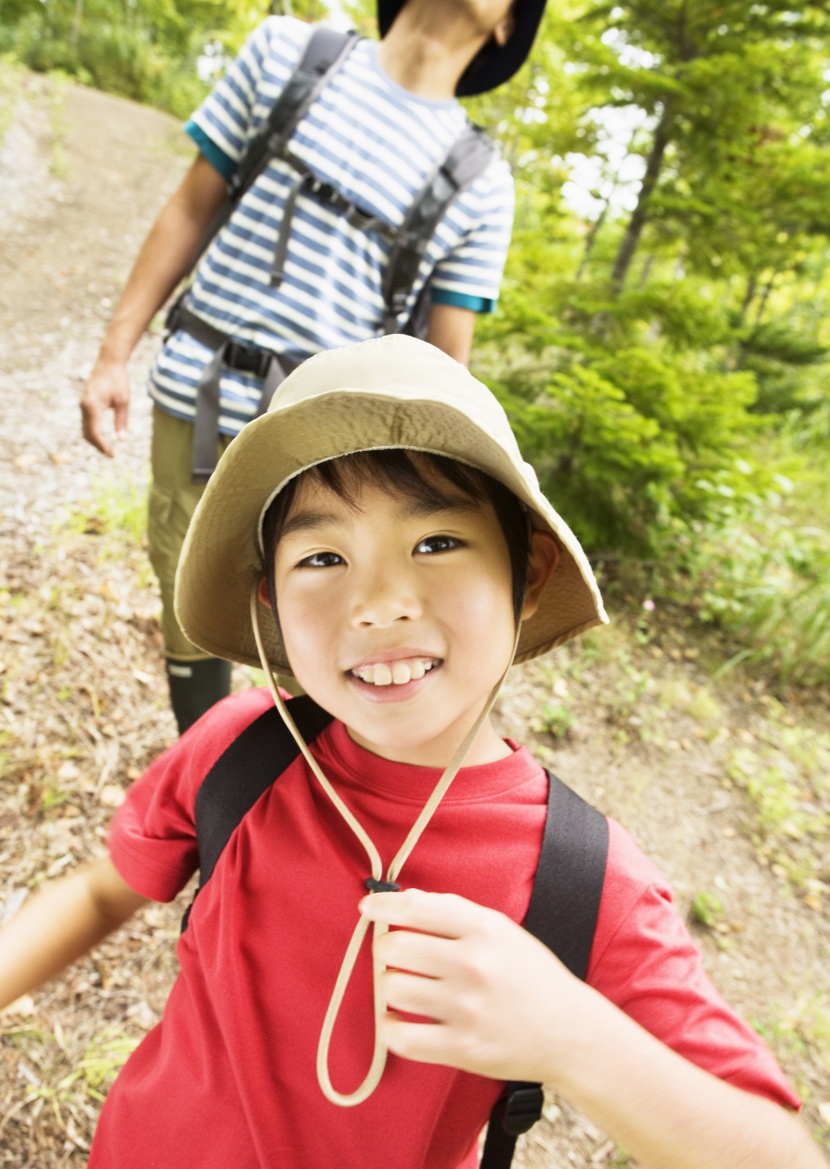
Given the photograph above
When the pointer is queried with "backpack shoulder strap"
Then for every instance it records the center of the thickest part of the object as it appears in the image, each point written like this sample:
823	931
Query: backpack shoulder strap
242	773
563	910
325	51
467	158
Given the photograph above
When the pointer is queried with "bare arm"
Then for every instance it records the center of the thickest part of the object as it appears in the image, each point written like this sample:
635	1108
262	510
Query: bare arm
451	328
504	1006
63	920
165	258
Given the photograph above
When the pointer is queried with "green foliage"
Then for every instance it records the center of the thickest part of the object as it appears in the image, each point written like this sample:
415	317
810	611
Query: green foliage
147	50
707	909
765	580
627	423
785	775
117	510
556	719
100	1063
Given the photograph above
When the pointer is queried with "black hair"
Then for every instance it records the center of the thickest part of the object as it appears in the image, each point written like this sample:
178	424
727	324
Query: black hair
418	477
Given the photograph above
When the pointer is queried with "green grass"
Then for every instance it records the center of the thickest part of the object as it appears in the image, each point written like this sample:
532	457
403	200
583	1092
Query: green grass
786	775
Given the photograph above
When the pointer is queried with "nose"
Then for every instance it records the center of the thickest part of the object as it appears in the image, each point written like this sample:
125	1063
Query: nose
385	594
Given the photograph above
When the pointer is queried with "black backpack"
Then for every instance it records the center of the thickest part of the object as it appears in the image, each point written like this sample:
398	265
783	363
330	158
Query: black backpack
567	887
466	159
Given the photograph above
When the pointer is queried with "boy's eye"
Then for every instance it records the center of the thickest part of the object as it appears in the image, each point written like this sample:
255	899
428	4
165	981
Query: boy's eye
321	560
437	544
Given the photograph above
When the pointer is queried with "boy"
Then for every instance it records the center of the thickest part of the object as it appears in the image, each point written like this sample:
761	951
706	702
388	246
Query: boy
381	509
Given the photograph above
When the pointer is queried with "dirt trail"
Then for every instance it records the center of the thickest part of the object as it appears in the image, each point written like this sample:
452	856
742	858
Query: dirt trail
636	725
83	176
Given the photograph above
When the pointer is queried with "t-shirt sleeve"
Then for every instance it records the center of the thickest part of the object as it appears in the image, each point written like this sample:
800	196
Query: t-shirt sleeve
226	120
645	961
152	839
470	275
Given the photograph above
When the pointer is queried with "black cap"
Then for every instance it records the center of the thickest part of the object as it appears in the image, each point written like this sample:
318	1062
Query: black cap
493	64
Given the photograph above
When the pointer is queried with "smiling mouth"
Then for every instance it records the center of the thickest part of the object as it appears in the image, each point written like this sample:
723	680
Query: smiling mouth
394	673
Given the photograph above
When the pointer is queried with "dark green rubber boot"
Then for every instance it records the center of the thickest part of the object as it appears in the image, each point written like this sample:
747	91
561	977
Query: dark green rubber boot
195	687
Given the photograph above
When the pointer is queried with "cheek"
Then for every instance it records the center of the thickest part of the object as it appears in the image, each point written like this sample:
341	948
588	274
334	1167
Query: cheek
482	606
305	622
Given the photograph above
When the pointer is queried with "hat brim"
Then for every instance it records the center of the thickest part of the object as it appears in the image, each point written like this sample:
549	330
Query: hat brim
221	560
495	64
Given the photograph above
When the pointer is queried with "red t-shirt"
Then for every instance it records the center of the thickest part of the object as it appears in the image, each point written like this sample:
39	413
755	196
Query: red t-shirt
228	1076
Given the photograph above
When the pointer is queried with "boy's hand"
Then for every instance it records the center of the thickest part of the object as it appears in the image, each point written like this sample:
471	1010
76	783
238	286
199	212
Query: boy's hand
491	995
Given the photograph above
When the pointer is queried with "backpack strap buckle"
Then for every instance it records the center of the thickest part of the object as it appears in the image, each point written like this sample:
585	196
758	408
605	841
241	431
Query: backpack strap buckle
520	1107
375	886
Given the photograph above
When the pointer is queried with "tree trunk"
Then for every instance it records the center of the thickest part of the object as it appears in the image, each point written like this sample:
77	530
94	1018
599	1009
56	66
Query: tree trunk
640	215
591	239
75	31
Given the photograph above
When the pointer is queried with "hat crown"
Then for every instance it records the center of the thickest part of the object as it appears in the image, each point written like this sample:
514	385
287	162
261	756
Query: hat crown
403	369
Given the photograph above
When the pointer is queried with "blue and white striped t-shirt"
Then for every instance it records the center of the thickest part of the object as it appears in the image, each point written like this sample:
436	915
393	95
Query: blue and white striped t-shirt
376	143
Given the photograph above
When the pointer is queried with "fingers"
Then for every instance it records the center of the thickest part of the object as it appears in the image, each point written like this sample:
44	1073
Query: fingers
107	389
443	914
122	414
91	428
466	986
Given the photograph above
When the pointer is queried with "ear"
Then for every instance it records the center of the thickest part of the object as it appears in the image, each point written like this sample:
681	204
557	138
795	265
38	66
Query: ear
505	28
542	562
262	593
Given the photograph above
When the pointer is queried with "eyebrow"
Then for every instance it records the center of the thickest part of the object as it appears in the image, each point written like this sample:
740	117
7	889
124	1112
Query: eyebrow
413	508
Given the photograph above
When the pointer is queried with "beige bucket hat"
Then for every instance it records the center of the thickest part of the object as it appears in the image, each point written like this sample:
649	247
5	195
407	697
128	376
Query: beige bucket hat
394	392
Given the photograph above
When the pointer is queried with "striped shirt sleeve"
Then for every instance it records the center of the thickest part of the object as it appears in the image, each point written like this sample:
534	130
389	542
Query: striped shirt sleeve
230	115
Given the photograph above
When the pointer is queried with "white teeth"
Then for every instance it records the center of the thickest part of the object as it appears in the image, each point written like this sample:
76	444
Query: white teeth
397	673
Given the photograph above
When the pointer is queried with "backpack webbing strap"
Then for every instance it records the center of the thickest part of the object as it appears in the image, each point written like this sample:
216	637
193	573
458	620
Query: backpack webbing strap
270	367
242	773
325	51
468	157
563	910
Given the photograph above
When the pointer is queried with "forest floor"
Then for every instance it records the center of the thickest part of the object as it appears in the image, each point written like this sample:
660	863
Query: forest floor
720	777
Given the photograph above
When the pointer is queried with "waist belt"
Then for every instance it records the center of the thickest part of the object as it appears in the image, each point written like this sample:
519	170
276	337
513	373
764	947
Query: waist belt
227	354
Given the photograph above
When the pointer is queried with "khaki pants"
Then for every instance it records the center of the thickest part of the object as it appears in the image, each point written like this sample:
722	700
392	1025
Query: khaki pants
173	499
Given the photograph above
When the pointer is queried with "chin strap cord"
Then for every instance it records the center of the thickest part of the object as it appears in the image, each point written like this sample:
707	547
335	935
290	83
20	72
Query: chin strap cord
376	883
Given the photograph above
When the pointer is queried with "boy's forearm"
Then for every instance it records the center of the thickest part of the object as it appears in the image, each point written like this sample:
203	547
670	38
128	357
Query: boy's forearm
665	1111
59	924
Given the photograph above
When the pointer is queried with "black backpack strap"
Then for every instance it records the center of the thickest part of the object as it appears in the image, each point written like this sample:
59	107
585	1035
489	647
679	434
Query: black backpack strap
325	51
243	772
563	911
467	158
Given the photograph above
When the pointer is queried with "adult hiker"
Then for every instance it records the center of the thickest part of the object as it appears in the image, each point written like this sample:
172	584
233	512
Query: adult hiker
301	263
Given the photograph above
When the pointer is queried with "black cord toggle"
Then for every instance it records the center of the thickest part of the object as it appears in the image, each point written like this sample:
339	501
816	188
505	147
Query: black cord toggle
375	886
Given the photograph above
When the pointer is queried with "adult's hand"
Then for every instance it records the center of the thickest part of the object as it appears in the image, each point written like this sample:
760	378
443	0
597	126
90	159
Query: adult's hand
108	388
166	255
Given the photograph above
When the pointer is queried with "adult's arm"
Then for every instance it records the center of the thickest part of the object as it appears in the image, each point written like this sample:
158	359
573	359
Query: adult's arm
166	256
502	1005
60	923
451	328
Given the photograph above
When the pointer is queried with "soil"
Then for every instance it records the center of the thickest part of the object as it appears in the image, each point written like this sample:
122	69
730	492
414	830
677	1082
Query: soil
631	716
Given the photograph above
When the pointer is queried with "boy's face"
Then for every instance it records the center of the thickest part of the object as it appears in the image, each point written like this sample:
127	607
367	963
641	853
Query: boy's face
397	616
